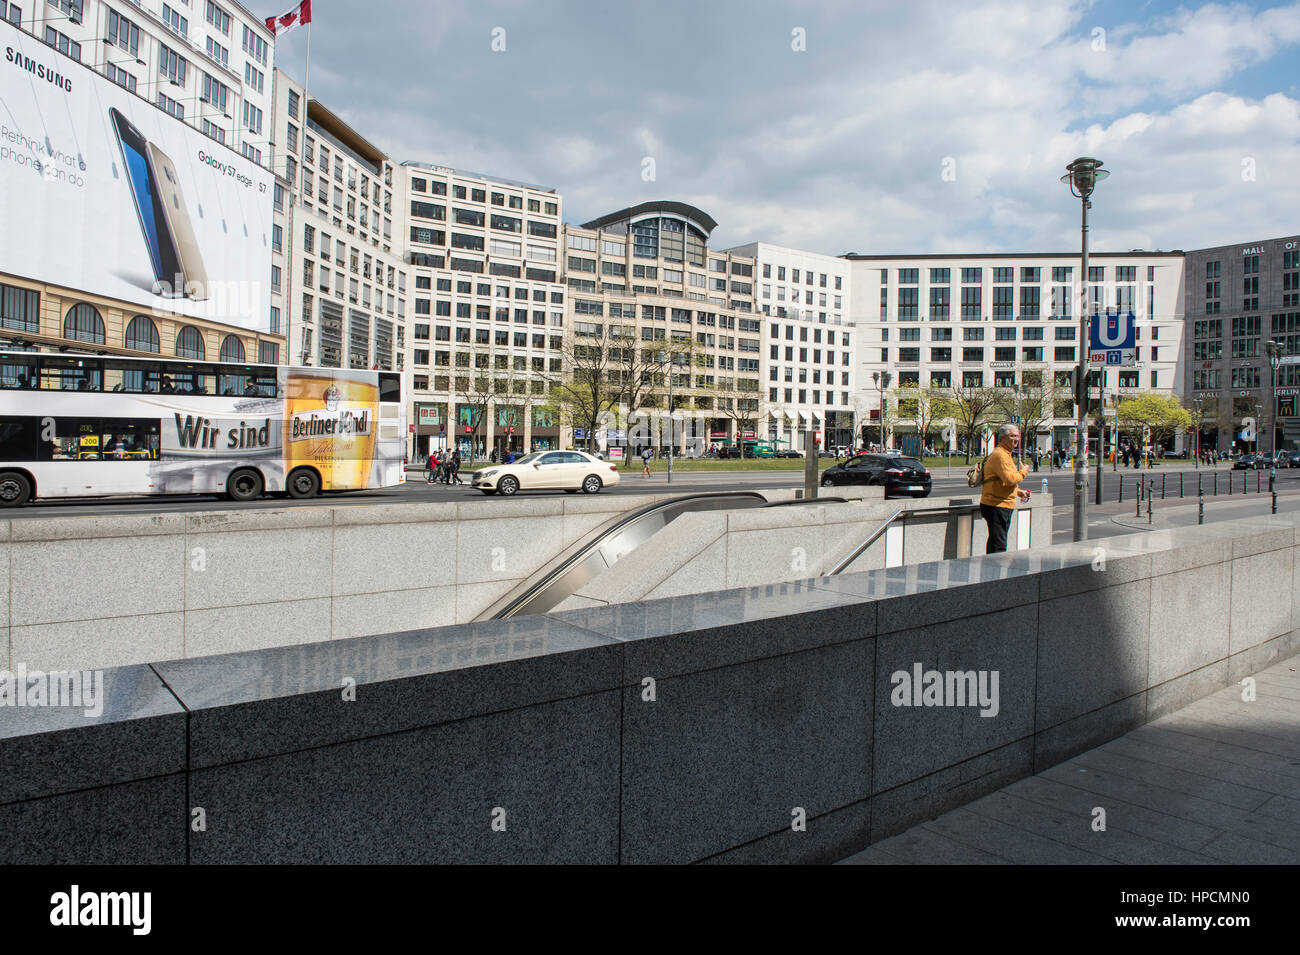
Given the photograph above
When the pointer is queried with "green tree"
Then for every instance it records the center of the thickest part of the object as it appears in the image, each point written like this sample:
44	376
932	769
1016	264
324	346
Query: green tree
1160	413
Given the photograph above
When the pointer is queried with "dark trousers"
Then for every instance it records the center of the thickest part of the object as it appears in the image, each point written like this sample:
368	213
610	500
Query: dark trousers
999	522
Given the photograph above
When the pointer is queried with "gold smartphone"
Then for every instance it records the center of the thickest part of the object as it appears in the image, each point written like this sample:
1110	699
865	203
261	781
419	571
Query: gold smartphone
177	217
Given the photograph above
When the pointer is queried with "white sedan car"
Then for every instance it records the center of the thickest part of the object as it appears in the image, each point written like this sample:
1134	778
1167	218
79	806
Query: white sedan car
570	471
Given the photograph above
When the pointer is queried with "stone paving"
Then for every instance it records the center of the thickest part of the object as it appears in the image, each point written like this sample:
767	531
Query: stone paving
1217	782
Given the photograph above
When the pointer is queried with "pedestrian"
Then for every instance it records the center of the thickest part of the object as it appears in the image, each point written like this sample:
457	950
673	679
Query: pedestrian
492	458
1001	488
646	455
430	465
455	467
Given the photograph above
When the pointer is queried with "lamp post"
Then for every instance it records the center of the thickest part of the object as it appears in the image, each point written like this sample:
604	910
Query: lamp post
1082	177
1274	351
882	384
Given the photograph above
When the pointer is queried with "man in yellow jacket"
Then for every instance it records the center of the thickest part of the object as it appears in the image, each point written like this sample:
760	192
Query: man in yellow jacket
1001	488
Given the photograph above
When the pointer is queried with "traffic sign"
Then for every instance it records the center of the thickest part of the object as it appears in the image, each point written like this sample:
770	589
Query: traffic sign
1113	340
1015	419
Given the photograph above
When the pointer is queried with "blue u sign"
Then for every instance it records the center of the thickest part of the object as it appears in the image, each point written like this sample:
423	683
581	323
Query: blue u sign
1113	330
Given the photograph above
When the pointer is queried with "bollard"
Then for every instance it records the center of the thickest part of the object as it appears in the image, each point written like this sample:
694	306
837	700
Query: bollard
1274	502
1200	505
1180	485
1272	475
1230	483
1257	482
1150	494
1137	501
1121	489
1216	483
1162	486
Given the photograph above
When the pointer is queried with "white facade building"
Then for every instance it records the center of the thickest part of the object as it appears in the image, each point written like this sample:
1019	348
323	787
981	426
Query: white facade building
1008	320
488	308
342	282
205	62
808	343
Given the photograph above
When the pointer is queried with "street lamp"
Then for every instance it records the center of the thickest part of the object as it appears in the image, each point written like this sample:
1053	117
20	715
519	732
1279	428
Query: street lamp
1082	177
1274	351
882	384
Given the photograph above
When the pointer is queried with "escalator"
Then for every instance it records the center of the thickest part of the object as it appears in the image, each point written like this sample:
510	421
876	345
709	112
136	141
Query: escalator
566	574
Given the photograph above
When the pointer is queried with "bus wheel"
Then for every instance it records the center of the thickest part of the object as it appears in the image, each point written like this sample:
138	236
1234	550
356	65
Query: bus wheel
15	489
244	485
303	483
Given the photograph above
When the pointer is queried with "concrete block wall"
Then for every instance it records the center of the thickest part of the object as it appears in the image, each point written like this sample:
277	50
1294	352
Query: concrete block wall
688	729
98	592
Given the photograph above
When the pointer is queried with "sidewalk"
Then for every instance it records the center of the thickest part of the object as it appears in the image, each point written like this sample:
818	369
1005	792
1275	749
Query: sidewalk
1216	782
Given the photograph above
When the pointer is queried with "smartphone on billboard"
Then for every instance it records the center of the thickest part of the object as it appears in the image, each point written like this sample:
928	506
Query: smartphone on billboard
160	208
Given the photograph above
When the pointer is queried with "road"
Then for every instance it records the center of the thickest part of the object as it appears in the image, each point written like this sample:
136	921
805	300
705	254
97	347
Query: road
945	485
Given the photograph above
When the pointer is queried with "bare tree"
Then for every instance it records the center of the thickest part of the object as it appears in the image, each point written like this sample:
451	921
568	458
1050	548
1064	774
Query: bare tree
584	392
1033	404
972	408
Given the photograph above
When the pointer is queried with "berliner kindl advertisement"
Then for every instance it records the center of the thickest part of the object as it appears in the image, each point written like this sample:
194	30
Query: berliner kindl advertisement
106	193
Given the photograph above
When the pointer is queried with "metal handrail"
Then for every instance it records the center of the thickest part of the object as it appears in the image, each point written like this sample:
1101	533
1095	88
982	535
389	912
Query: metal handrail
904	513
527	593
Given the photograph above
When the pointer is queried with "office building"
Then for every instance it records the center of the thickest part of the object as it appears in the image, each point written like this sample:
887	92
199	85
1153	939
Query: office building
1010	321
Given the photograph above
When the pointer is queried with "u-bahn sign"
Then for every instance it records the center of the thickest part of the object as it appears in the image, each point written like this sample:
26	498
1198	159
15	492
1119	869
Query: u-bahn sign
1113	340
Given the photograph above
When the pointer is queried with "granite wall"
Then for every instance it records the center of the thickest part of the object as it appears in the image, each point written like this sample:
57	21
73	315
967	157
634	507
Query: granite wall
770	724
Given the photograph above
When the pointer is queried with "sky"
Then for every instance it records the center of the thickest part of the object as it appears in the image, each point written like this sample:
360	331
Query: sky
842	126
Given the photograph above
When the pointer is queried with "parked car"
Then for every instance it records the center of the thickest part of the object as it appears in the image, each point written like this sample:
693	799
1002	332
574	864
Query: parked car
728	452
789	453
1249	462
570	471
1293	458
1276	459
898	475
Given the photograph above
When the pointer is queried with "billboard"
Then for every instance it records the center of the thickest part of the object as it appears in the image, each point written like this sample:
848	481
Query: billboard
106	193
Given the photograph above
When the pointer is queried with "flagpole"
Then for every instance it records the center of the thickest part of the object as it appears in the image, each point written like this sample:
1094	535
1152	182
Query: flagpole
306	80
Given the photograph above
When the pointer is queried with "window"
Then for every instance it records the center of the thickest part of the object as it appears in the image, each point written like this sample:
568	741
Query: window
174	21
252	118
972	354
189	343
256	47
218	18
972	299
1004	275
172	65
123	33
218	52
63	44
119	76
253	77
1064	354
83	323
1029	301
214	92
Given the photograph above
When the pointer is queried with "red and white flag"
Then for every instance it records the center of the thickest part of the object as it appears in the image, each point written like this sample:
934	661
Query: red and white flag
283	24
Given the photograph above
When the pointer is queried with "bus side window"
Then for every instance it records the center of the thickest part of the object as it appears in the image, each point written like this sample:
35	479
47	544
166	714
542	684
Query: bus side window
18	438
75	439
18	374
129	439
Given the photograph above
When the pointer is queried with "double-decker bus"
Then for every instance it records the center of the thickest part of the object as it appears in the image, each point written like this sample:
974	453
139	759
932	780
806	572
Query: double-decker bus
74	425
